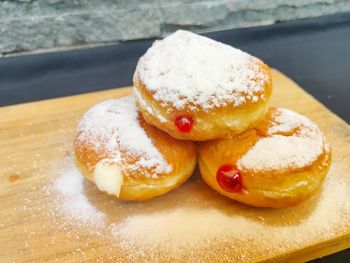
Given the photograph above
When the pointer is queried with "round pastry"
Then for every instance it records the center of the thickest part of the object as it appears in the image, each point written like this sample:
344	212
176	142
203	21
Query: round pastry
279	163
124	156
195	88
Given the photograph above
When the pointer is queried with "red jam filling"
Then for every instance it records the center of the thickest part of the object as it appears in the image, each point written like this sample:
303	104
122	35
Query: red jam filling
229	178
184	123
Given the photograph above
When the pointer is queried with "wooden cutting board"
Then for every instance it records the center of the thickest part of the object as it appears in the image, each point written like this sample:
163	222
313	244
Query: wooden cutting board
45	219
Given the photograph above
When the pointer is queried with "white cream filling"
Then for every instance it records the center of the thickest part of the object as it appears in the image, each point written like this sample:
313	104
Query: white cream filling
108	177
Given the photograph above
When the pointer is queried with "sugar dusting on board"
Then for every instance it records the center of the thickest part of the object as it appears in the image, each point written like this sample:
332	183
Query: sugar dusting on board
185	69
192	223
73	201
189	230
196	222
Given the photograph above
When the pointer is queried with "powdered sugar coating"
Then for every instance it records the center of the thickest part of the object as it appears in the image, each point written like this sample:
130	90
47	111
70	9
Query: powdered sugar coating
293	142
285	120
188	70
113	127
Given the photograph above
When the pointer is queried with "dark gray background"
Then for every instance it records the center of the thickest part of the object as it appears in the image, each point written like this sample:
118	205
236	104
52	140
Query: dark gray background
314	52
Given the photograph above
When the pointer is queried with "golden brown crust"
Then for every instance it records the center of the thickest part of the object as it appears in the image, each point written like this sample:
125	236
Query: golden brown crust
175	152
263	188
146	188
219	122
139	184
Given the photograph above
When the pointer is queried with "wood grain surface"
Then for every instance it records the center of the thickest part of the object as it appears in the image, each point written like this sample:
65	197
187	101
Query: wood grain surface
36	143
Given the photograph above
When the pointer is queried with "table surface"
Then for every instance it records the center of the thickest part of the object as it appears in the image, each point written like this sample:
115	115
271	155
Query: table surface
314	52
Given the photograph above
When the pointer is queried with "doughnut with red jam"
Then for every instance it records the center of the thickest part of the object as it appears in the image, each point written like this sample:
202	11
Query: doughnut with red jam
195	88
279	163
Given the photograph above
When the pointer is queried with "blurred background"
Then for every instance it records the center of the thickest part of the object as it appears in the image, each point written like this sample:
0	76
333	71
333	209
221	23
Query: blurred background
50	25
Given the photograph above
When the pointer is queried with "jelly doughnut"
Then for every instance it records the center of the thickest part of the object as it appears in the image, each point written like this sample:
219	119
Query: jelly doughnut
195	88
126	157
279	163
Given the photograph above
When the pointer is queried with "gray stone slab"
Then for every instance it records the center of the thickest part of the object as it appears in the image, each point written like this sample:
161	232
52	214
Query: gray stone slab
29	25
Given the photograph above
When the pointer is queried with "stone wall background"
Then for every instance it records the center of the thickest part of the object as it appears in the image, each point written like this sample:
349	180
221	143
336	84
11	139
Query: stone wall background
28	25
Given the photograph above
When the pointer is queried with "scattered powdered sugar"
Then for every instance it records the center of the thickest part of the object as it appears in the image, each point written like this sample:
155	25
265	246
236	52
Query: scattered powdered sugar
279	151
285	120
192	225
73	201
189	69
203	232
113	125
178	228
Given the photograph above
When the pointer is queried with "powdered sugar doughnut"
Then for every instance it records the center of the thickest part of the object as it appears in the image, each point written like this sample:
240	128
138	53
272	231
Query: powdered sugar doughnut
279	163
195	88
124	156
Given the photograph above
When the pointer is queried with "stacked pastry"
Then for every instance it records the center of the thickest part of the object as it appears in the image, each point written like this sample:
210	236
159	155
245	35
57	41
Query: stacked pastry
193	92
